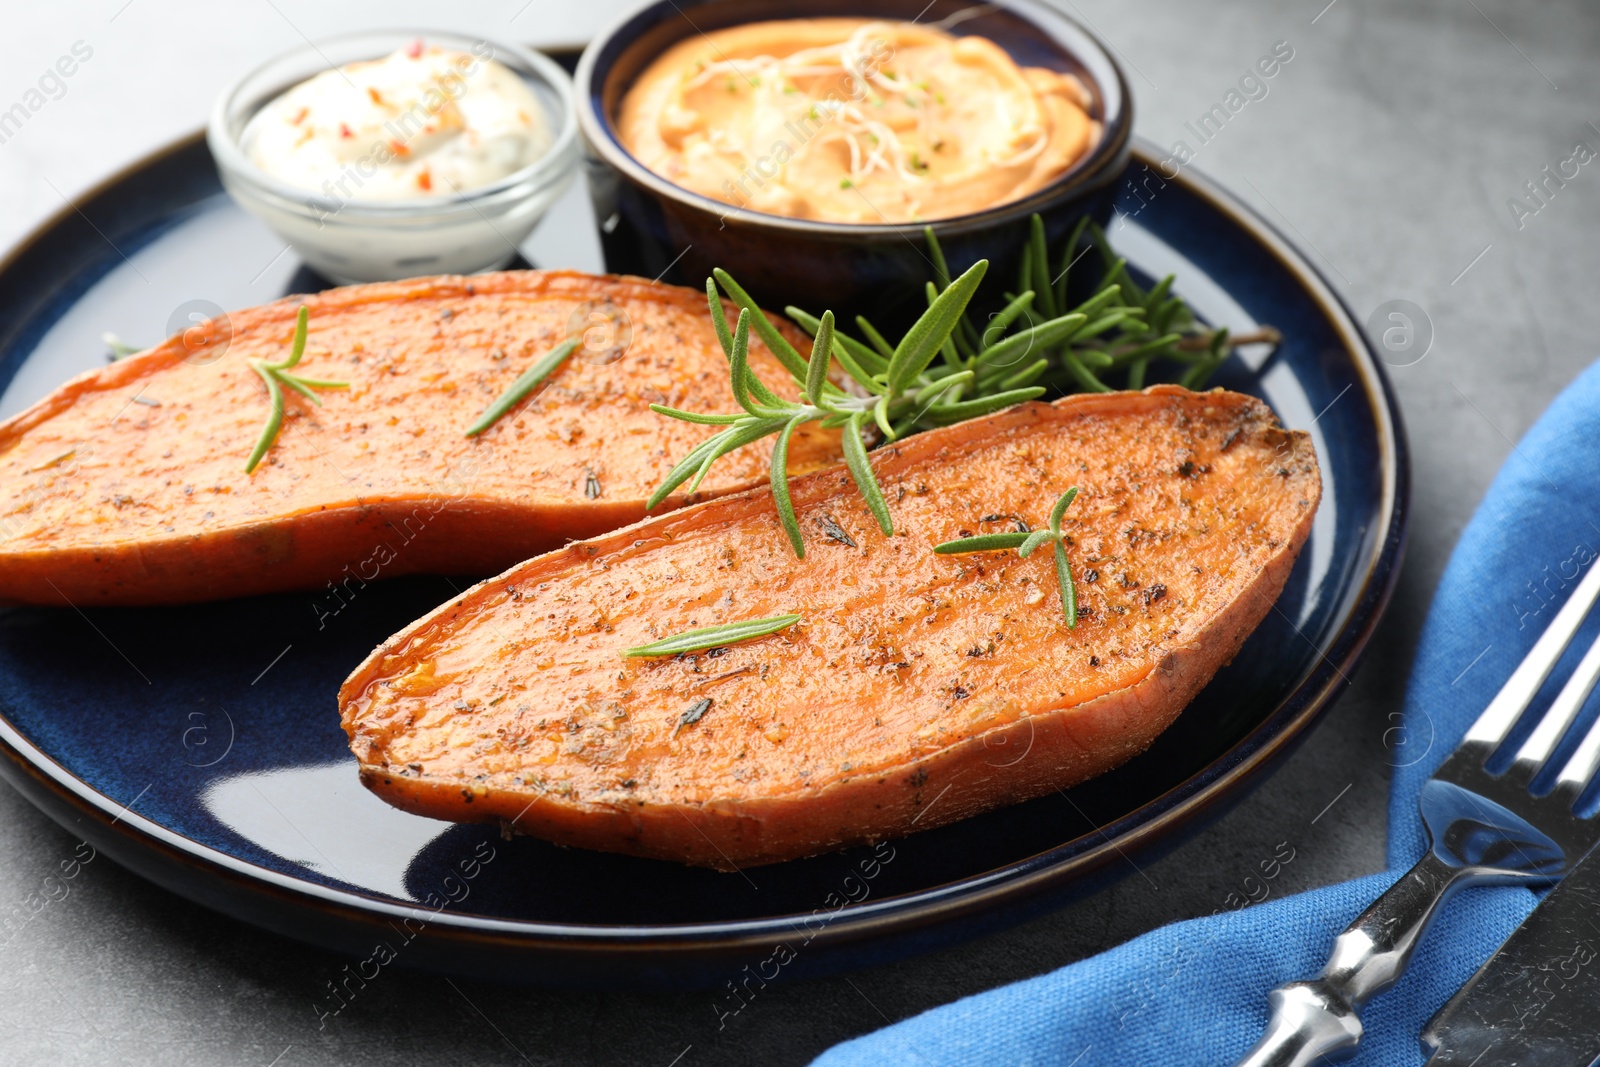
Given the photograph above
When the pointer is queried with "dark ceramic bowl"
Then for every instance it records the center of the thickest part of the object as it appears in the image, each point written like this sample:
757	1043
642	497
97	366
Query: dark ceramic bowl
651	227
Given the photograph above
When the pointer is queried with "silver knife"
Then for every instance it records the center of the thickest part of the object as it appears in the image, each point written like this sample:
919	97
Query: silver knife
1536	1003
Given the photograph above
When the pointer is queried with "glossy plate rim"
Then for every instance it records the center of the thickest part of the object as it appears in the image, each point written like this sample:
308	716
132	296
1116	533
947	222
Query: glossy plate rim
282	903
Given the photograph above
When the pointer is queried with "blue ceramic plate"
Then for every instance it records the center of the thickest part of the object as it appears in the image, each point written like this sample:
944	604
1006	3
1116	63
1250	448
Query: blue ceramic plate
201	746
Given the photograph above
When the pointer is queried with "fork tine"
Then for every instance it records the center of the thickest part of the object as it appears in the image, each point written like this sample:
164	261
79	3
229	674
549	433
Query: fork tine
1581	767
1518	692
1558	717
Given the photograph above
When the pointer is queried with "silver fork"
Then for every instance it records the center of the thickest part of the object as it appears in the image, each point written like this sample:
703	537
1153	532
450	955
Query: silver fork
1483	829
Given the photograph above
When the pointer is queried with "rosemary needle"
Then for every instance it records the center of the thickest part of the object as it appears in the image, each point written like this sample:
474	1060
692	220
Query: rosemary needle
526	383
982	543
714	636
117	348
1069	595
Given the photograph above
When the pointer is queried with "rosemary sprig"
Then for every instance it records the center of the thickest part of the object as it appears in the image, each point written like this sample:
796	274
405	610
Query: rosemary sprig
526	383
898	390
714	636
276	375
950	366
1129	327
1025	543
1037	336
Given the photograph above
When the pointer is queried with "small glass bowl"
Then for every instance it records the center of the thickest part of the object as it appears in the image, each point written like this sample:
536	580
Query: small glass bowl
353	240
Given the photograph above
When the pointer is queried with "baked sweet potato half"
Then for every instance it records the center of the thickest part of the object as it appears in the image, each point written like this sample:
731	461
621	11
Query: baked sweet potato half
127	485
916	689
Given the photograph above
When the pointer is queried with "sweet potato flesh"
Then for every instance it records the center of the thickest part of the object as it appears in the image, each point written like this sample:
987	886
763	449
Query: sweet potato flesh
127	485
890	706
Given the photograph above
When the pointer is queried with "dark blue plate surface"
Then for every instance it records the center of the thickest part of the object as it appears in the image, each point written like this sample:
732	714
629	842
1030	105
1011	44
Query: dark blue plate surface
201	745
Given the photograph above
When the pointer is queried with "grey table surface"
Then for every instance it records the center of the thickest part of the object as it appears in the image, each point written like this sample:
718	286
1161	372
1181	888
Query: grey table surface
1387	149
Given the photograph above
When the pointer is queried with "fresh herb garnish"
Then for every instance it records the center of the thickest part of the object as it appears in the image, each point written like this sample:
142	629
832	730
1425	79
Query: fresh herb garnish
693	715
53	461
899	391
526	382
714	636
277	375
1037	342
1130	327
116	347
1025	543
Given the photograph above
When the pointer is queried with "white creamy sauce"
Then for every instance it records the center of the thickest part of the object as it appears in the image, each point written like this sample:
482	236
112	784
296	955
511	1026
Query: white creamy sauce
421	122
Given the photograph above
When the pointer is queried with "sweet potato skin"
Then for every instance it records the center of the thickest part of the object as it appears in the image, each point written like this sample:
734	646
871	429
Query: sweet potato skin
918	689
108	499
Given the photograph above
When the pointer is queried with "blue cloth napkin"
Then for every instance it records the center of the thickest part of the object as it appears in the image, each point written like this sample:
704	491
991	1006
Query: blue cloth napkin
1196	992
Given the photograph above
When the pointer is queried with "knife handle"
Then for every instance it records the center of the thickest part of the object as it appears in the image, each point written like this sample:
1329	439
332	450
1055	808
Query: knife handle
1320	1021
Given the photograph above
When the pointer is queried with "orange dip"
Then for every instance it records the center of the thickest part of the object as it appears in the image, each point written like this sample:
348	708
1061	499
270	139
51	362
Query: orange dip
851	120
